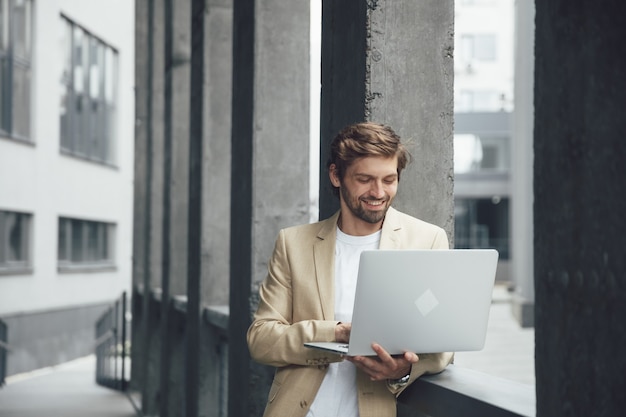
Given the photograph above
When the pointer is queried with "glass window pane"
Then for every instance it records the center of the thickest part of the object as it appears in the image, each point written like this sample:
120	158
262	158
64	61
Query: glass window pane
104	242
15	229
65	86
92	241
95	67
4	95
87	103
21	101
77	241
467	48
109	74
14	238
485	47
482	223
63	254
4	25
78	59
473	153
83	243
21	29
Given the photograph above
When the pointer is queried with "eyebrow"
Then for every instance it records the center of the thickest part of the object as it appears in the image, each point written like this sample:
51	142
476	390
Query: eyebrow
363	175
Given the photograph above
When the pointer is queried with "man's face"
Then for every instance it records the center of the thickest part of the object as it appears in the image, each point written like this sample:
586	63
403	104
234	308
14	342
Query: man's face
367	189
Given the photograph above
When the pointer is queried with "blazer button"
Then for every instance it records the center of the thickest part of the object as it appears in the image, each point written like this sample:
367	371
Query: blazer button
303	404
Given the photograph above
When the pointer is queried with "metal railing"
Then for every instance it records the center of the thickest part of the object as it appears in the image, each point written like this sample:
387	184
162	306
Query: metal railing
112	367
4	347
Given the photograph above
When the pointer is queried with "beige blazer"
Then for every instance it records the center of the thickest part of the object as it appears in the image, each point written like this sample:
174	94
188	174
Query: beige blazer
296	305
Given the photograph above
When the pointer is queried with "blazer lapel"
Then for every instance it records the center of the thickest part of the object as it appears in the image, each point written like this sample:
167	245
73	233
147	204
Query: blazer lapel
324	257
391	226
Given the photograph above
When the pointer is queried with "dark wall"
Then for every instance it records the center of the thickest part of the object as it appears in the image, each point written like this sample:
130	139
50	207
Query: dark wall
38	340
579	208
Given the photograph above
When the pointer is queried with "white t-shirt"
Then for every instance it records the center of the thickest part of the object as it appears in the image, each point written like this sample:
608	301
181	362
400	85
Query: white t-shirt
337	396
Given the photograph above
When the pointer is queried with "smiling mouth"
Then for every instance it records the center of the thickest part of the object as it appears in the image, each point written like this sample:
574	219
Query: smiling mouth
374	203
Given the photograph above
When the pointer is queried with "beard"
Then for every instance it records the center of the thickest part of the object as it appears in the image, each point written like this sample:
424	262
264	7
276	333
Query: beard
357	209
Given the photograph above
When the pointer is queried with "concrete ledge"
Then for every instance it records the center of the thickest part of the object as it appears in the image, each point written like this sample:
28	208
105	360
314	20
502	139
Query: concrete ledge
217	316
523	310
462	391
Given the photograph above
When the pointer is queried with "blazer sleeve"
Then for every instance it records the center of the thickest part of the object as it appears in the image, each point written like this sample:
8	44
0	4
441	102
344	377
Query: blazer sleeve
273	337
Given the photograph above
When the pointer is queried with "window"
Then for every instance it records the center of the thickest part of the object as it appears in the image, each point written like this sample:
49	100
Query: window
480	101
85	244
88	98
15	238
481	47
482	223
481	153
15	69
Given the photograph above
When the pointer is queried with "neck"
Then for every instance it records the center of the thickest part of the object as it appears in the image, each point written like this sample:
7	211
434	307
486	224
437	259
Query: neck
357	227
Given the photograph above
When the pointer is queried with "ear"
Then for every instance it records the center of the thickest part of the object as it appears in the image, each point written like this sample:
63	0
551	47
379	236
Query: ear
334	175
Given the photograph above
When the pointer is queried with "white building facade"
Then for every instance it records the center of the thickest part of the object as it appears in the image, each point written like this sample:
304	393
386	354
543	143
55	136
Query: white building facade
494	64
483	106
66	172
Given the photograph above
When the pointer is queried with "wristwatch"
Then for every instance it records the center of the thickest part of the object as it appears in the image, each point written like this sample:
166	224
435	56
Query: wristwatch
399	383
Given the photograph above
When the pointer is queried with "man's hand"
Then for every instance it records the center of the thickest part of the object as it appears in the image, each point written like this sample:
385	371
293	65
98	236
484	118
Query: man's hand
384	366
342	332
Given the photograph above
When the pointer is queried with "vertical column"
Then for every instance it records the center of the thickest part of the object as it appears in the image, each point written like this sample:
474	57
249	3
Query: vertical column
141	213
176	53
217	152
194	219
216	188
522	165
165	353
281	124
270	142
579	206
178	71
148	199
241	196
151	397
344	53
392	62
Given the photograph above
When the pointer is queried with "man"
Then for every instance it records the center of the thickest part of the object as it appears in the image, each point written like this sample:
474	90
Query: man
308	293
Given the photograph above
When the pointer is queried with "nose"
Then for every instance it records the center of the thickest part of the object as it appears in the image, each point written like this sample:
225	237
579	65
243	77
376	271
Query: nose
377	189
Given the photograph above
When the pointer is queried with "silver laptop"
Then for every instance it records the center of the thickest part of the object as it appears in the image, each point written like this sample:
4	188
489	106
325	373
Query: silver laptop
421	301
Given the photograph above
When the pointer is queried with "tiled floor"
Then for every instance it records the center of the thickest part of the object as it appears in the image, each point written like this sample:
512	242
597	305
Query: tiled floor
509	350
67	390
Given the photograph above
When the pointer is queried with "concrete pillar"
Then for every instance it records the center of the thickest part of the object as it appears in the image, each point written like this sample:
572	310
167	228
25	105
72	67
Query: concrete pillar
270	142
217	152
177	122
141	213
522	165
579	206
216	188
148	200
392	62
176	52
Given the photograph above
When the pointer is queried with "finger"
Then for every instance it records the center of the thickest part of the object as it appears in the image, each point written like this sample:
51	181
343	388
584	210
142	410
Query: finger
411	357
383	355
371	366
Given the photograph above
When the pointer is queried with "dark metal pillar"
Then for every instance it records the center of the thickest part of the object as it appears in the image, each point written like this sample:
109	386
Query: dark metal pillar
165	362
579	206
241	205
198	9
